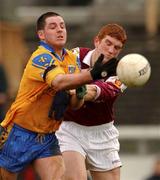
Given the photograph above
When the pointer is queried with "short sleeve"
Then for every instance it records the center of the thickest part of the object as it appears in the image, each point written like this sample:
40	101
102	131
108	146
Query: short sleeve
39	63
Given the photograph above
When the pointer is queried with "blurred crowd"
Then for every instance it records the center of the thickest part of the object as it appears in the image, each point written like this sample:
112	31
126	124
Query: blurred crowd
3	92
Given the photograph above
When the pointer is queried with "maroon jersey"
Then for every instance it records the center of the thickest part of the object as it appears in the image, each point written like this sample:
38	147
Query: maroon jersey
101	110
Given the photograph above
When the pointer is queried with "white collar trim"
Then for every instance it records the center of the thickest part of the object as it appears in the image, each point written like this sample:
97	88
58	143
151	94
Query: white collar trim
87	58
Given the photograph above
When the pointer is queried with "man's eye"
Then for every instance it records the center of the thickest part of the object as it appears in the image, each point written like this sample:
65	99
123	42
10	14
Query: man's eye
52	27
118	47
108	43
62	26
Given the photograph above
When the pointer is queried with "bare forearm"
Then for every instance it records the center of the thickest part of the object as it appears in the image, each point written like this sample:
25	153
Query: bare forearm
71	81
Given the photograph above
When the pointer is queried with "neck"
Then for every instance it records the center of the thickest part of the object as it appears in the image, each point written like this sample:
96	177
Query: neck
94	57
59	52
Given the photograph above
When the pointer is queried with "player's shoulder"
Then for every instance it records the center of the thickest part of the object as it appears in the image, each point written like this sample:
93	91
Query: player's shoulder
41	59
81	52
70	53
75	51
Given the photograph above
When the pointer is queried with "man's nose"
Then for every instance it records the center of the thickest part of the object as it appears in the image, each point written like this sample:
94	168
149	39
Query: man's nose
111	49
59	28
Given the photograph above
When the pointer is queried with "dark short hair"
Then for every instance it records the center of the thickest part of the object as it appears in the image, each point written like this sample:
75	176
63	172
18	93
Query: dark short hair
41	20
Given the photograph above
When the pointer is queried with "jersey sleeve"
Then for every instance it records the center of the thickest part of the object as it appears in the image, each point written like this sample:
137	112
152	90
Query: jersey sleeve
39	64
111	88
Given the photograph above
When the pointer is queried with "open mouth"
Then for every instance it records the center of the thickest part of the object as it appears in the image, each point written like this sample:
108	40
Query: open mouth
60	37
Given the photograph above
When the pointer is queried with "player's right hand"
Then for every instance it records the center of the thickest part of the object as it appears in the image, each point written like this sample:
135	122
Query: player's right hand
59	105
100	70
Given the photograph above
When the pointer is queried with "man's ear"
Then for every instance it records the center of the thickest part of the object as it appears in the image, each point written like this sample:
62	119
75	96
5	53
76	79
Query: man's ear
40	34
96	42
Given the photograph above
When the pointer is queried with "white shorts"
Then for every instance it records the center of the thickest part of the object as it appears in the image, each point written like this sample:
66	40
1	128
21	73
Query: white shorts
98	144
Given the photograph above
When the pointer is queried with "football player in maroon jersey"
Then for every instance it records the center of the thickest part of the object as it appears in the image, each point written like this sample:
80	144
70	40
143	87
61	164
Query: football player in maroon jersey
87	136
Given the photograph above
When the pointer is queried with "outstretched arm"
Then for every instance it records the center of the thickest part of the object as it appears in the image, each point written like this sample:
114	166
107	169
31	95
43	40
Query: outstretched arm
71	81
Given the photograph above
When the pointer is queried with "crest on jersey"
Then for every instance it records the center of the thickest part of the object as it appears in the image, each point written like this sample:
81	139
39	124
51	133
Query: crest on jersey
71	68
42	61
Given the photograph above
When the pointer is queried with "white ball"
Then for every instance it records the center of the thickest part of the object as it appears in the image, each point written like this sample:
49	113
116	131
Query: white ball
133	70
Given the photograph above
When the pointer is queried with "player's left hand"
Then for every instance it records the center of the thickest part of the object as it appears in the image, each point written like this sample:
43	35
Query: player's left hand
59	105
111	66
102	70
81	91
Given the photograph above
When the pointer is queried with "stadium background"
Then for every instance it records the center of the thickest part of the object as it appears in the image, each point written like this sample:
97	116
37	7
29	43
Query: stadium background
138	110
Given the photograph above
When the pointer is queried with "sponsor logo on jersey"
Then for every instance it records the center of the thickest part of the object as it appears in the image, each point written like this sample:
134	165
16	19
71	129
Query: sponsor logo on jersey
118	83
71	68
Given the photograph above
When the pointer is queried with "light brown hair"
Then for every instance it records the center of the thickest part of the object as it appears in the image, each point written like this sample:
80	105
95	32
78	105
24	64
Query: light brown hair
113	30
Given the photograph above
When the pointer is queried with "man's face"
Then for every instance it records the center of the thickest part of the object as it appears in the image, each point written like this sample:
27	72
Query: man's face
109	46
54	32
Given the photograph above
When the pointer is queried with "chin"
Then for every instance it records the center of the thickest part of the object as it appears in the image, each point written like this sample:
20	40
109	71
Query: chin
59	46
106	59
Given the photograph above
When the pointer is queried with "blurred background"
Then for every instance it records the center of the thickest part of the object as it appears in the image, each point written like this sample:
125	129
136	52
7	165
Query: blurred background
137	110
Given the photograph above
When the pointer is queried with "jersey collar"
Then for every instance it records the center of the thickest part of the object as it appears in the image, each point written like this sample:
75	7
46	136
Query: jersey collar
49	48
87	58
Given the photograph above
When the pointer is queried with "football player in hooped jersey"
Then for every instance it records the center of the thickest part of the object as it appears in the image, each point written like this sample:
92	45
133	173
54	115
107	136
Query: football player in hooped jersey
87	136
50	69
